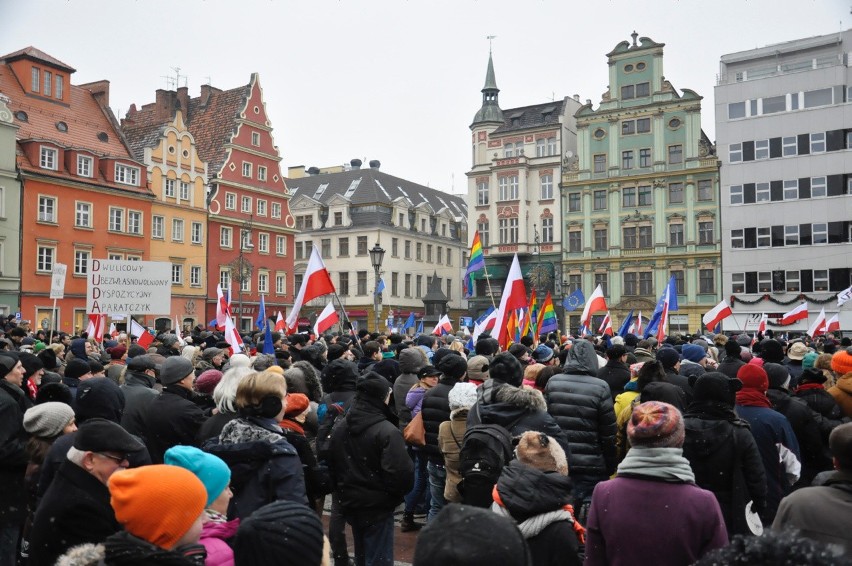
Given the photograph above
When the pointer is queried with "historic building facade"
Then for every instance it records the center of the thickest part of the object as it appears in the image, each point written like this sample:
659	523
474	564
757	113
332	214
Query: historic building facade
10	205
640	204
785	138
513	190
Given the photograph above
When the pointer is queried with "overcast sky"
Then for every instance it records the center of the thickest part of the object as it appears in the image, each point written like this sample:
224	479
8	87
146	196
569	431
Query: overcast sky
395	80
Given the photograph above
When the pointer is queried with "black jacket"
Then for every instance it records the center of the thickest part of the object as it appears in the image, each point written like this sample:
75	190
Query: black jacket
172	419
815	456
212	427
75	510
725	460
370	465
264	466
681	381
616	374
527	492
730	366
138	392
123	549
436	409
823	404
13	453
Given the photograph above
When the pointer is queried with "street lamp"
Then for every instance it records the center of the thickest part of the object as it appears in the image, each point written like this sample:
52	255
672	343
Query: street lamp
377	254
245	245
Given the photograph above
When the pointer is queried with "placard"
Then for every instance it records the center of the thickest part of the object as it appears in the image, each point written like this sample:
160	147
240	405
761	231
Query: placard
57	281
129	287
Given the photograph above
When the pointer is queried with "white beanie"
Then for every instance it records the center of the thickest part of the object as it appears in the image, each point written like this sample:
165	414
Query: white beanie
48	420
462	395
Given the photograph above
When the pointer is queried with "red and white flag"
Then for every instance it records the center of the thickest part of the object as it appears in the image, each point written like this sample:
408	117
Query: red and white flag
327	318
223	308
606	325
596	303
663	326
761	326
143	337
444	326
514	297
833	324
636	325
798	313
233	338
179	333
97	325
280	325
485	325
315	283
817	328
113	332
716	315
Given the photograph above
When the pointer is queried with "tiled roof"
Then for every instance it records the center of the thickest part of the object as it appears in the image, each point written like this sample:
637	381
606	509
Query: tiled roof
213	124
530	117
144	131
37	54
374	186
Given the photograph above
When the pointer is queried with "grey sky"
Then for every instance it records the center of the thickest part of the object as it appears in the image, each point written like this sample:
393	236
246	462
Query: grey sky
395	80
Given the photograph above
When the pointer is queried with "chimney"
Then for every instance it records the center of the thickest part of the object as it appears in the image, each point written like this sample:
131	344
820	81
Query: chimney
183	100
206	91
576	97
130	118
375	164
296	172
100	90
164	105
356	163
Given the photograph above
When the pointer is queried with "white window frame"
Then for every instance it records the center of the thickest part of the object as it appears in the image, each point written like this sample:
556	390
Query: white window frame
247	167
737	279
546	187
791	190
820	279
82	211
762	192
263	242
540	147
177	230
261	207
789	146
276	210
230	201
255	139
195	276
482	195
738	237
761	149
85	166
177	274
81	261
735	153
546	234
764	237
245	205
184	190
158	227
48	158
551	145
134	228
48	209
116	219
819	184
764	281
791	231
736	194
261	173
262	282
126	175
280	284
281	245
45	261
817	144
225	278
169	188
819	228
197	232
226	237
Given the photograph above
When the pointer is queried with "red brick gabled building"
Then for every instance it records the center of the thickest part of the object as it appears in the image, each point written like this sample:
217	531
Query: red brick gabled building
84	196
249	222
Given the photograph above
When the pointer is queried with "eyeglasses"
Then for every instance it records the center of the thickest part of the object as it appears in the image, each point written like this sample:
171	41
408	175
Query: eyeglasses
118	459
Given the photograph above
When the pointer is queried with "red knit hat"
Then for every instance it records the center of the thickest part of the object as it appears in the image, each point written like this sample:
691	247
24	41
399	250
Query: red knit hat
841	362
656	425
753	377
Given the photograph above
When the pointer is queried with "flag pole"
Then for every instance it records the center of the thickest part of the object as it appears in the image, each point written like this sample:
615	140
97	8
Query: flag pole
345	319
490	292
52	322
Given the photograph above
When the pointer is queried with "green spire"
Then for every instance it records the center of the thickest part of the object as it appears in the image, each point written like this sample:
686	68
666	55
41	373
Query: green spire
490	81
490	110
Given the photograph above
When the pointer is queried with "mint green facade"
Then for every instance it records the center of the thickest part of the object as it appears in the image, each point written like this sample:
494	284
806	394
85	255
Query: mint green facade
10	214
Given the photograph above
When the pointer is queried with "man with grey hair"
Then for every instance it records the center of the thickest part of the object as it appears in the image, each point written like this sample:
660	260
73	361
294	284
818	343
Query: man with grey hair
76	507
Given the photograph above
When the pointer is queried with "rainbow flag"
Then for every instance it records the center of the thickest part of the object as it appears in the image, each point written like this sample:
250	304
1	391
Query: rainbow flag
548	322
512	328
477	262
532	319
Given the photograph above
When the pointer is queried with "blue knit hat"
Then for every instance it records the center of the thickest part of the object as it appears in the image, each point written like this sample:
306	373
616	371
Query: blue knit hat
210	469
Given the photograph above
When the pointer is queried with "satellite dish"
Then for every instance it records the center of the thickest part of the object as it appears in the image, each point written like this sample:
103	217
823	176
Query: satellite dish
569	154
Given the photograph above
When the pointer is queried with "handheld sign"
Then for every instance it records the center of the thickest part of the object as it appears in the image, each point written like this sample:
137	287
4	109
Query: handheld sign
57	281
126	286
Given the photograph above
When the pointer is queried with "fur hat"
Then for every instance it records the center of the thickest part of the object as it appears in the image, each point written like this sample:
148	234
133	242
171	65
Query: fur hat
841	362
462	395
812	375
48	420
506	368
732	349
211	470
477	368
753	377
772	351
542	452
453	366
656	425
282	532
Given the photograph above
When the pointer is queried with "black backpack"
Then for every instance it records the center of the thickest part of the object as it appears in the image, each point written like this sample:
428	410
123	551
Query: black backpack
329	414
486	449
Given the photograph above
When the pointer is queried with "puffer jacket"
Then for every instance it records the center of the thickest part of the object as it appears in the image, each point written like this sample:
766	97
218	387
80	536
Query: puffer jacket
582	407
138	392
436	409
823	404
213	537
411	360
815	455
842	393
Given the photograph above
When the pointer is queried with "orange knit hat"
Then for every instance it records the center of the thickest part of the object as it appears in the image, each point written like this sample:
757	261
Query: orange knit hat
157	503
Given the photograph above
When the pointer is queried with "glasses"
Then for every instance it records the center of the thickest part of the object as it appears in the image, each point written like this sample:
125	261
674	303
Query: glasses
118	459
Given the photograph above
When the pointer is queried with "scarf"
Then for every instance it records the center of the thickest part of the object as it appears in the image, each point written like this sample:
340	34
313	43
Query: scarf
753	398
667	464
215	516
290	424
534	525
810	387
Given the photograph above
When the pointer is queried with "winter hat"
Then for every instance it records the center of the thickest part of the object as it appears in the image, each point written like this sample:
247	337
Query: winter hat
99	397
542	354
76	367
48	358
282	532
809	360
373	385
169	340
157	503
96	367
142	363
297	403
812	375
31	363
453	366
655	425
693	352
732	349
208	380
542	452
211	470
841	362
753	377
136	350
174	369
463	534
518	350
48	420
506	368
778	375
772	351
335	351
668	357
756	362
239	361
101	435
715	387
117	352
477	368
209	353
743	340
462	395
797	351
54	392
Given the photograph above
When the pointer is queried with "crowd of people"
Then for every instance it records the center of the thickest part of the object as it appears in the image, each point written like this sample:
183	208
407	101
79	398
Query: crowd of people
700	449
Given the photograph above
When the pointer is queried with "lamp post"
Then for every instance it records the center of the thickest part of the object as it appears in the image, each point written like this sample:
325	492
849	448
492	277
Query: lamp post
245	245
377	254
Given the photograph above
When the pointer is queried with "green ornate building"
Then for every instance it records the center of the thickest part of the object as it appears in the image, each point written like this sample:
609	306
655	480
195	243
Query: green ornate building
640	202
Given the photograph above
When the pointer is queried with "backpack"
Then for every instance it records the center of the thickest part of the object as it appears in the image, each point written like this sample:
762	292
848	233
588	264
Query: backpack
329	414
485	450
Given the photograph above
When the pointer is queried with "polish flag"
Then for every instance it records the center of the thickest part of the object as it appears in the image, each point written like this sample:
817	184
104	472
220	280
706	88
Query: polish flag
143	337
327	318
315	283
664	316
818	326
595	303
514	297
798	313
96	326
444	326
233	338
833	324
486	325
223	308
606	325
179	333
280	325
716	315
113	332
761	326
636	326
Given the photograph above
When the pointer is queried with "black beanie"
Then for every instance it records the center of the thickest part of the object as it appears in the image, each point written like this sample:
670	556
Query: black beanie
99	397
54	392
812	375
453	366
772	351
507	369
777	373
373	385
716	387
8	360
732	349
279	534
335	351
31	363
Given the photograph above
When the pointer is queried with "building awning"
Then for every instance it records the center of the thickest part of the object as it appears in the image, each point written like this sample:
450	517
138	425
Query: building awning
501	271
356	313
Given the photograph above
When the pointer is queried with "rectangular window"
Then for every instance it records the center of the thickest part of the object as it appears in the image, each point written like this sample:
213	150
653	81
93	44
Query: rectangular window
628	92
599	200
675	193
628	197
83	215
81	262
325	247
394	247
35	79
764	281
738	282
418	254
820	280
762	192
362	245
546	232
643	125
60	86
627	159
736	110
429	253
600	163
276	210
680	286
280	243
47	209
261	207
706	281
197	232
169	188
736	194
44	259
230	201
818	187
575	241
737	239
483	228
601	242
184	190
818	142
300	250
631	283
510	230
792	281
646	287
603	280
574	202
821	97
419	286
508	186
134	222
408	247
675	234
157	227
628	127
450	250
262	282
263	243
735	152
540	148
789	146
628	237
645	157
255	139
362	283
440	258
225	279
49	158
407	288
645	195
819	233
645	240
551	146
261	173
116	219
84	166
177	274
280	284
177	230
791	189
643	89
225	237
676	153
343	247
546	187
775	104
481	194
126	175
764	237
247	169
705	233
48	83
791	235
195	276
761	149
246	205
705	190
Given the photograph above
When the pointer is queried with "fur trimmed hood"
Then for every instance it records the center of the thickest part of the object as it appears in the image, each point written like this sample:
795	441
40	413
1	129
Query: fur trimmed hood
83	555
523	397
302	377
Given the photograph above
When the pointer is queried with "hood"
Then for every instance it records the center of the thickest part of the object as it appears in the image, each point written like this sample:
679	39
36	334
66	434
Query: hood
242	430
411	360
845	383
78	348
340	375
366	412
703	437
310	378
523	397
664	392
138	378
527	491
511	404
582	359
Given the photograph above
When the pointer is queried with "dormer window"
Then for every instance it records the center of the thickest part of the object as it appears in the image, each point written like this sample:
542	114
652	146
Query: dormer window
84	166
60	86
36	79
48	83
126	175
48	158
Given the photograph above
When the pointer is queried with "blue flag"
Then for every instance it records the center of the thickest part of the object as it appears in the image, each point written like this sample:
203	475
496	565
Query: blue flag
625	326
420	327
485	315
654	322
380	286
574	300
261	314
268	347
410	322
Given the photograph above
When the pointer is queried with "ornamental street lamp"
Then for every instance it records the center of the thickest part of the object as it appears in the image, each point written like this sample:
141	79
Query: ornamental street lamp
377	254
244	269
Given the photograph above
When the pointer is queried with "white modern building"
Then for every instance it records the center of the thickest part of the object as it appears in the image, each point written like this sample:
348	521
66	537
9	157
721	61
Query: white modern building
784	136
